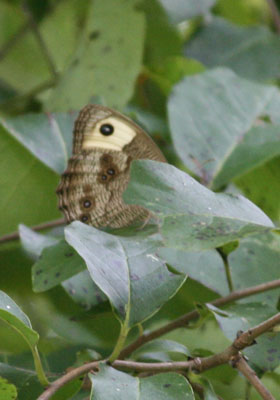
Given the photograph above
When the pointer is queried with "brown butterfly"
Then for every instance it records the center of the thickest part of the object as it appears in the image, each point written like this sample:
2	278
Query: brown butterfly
105	142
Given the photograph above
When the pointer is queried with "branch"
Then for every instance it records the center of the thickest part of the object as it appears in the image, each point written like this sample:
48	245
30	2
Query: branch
186	318
40	227
249	373
198	364
275	14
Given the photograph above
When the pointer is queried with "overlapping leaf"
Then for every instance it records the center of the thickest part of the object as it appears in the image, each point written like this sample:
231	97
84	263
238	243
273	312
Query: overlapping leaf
213	134
47	136
126	269
192	217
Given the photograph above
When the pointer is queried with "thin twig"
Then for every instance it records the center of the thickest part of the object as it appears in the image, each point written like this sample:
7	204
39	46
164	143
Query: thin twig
249	373
40	227
275	14
40	40
184	319
198	364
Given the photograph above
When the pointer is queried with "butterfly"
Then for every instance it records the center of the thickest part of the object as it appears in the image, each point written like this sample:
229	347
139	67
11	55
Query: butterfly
104	144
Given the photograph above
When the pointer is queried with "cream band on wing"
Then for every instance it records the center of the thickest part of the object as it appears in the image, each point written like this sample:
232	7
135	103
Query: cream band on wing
122	135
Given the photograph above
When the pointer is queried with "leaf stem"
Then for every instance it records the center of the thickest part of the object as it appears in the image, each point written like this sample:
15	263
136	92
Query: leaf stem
227	269
38	367
120	342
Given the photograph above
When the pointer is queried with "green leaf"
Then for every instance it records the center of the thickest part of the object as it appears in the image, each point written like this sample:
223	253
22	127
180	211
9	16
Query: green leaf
159	347
107	61
206	114
27	187
191	216
24	379
241	317
56	264
126	269
262	186
180	10
83	290
7	390
205	267
67	15
256	261
17	68
162	39
110	383
12	315
33	242
253	52
47	136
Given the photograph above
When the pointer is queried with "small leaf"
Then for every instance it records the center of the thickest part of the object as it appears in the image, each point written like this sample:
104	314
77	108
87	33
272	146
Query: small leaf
56	264
191	216
12	315
161	346
112	384
8	391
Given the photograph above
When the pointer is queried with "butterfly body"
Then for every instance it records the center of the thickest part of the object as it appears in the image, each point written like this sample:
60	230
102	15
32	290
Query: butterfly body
105	142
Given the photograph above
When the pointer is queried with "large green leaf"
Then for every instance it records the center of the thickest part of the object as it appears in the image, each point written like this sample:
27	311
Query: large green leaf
191	216
253	53
180	10
126	269
213	119
107	60
110	383
27	187
47	136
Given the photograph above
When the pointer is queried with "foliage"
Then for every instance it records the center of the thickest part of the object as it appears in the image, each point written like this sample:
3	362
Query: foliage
203	79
